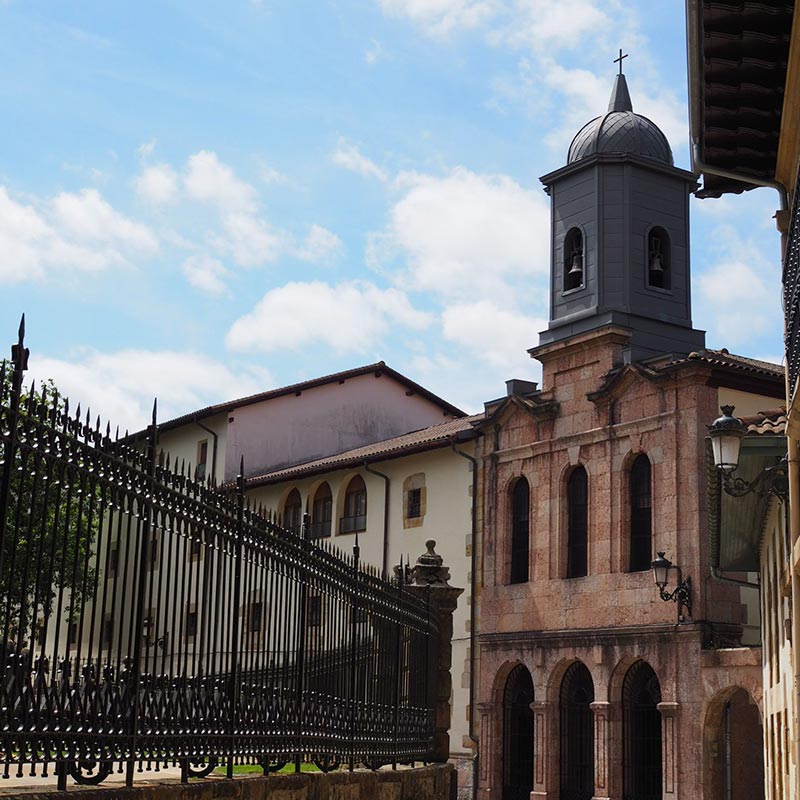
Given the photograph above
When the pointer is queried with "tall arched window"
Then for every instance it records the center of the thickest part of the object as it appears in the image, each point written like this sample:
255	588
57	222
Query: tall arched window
641	733
658	259
641	520
355	507
322	512
518	735
293	512
573	259
577	523
520	505
577	734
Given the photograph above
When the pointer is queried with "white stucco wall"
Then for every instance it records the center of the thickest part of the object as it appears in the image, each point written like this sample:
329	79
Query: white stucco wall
447	520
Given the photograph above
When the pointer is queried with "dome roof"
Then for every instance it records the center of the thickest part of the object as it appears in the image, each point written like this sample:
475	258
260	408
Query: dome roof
620	130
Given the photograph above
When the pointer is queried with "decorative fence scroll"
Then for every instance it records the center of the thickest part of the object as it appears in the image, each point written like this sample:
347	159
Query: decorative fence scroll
149	618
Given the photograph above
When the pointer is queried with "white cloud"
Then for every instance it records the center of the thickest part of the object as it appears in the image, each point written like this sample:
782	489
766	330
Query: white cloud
464	234
157	184
440	17
146	149
349	318
320	246
90	218
209	180
248	239
349	157
70	233
120	386
374	53
498	336
205	273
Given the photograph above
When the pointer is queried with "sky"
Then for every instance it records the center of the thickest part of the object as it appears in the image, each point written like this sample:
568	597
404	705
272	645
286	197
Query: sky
201	200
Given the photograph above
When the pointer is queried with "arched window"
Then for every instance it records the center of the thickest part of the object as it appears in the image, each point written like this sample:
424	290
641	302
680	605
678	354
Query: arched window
641	521
658	259
520	505
518	735
293	512
322	512
577	523
577	734
355	507
573	259
641	733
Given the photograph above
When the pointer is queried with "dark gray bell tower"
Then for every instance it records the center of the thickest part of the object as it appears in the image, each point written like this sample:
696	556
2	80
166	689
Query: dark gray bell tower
620	236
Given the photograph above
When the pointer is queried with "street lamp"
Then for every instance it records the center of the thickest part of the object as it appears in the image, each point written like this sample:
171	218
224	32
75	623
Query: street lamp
726	433
681	594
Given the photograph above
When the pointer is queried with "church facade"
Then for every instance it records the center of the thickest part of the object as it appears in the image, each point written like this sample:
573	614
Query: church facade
594	682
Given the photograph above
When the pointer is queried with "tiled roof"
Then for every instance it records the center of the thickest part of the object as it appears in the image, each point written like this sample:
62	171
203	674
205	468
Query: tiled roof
423	439
767	423
722	358
378	367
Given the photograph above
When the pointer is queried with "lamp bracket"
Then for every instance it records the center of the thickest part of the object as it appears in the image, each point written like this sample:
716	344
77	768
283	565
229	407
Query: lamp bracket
772	480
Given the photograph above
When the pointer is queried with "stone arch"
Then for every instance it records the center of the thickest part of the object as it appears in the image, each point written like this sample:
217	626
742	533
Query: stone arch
517	734
733	750
642	756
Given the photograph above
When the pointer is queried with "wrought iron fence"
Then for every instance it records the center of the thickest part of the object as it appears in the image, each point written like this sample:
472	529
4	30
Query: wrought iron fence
149	618
791	293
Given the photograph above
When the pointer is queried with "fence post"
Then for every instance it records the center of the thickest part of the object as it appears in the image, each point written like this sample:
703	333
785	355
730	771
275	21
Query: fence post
300	659
429	575
136	667
233	680
353	633
19	358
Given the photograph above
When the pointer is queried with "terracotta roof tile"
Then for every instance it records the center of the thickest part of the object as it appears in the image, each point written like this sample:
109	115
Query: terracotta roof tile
767	423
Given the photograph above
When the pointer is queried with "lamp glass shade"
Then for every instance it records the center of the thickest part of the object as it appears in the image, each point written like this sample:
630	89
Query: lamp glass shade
660	568
726	450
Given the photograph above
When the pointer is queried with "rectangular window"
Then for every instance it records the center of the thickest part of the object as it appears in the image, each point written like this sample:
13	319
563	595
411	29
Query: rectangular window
191	624
113	559
414	503
108	631
195	548
314	611
254	620
202	459
72	633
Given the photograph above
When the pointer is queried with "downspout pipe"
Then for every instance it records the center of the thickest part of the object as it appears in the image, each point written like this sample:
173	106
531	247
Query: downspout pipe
472	602
386	479
213	446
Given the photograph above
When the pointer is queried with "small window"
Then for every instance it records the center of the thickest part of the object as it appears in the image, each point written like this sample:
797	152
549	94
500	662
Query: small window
191	623
108	631
414	503
641	516
520	534
153	547
195	546
414	500
573	260
293	512
72	633
658	259
254	620
202	459
355	507
322	512
113	559
314	611
577	523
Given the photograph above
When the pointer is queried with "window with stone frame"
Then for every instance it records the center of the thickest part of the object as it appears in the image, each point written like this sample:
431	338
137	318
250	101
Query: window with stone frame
641	515
577	523
658	259
202	459
322	512
293	512
355	507
574	260
520	531
414	500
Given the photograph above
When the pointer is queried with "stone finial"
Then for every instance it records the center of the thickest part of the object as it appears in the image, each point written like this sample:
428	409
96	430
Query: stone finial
429	569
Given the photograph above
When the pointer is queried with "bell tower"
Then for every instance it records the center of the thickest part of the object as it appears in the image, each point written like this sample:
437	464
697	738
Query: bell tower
620	236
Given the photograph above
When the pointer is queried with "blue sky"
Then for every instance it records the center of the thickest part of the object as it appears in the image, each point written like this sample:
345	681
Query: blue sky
199	200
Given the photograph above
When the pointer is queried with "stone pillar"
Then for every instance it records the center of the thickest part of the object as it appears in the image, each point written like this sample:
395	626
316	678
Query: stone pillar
603	748
543	752
489	754
669	748
430	575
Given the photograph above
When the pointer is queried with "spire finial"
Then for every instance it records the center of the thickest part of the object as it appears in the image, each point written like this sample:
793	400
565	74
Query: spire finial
620	60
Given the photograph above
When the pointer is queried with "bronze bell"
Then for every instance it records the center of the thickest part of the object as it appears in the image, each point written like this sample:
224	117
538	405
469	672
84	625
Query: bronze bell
577	264
655	264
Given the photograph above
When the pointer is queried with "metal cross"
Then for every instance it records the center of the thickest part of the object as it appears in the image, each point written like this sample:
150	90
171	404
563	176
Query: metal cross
620	60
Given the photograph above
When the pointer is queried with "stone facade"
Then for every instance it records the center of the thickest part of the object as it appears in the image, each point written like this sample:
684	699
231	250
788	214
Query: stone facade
597	413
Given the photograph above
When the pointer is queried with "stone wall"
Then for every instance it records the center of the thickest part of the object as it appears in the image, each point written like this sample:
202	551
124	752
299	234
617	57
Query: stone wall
422	783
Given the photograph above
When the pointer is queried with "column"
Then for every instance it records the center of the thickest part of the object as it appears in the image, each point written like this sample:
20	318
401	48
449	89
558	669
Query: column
669	748
603	748
543	754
